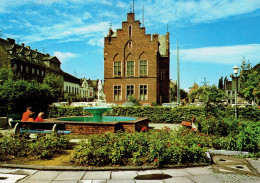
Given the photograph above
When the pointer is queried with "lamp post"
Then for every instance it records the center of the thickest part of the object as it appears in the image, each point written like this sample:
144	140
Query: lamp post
235	68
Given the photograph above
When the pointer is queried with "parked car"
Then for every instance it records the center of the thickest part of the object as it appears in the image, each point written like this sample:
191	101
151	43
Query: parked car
244	105
81	104
111	105
146	104
172	105
60	104
127	104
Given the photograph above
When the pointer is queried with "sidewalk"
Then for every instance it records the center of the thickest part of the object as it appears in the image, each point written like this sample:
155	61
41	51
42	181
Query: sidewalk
183	175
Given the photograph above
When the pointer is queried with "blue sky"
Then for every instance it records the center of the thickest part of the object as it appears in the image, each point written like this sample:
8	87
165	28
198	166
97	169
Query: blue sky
213	35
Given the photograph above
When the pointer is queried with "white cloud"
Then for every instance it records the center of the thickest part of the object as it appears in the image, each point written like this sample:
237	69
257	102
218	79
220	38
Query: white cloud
191	11
97	42
122	5
223	55
64	56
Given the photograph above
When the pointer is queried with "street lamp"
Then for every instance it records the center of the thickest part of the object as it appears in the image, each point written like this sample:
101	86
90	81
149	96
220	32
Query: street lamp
235	68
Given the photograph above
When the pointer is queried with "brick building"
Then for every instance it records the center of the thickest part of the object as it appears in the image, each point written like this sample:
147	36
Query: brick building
136	64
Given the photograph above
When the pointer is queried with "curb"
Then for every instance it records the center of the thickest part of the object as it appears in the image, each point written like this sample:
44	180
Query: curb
107	168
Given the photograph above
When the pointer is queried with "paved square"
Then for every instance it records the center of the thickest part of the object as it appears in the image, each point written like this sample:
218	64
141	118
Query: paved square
97	175
70	175
123	175
44	176
176	172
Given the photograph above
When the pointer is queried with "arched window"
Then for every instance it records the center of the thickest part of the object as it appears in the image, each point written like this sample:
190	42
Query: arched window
130	30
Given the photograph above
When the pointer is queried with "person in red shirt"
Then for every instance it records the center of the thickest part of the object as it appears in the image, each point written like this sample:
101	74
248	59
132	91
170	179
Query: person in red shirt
39	118
26	114
31	117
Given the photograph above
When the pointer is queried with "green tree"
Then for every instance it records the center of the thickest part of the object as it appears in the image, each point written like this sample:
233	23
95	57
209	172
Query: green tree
250	81
134	100
56	84
16	94
208	94
220	83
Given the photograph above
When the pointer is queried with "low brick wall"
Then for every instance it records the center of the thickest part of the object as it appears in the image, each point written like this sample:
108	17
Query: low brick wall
88	128
84	128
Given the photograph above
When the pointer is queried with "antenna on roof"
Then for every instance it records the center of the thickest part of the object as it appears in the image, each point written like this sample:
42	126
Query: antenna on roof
167	28
110	24
18	41
133	6
130	8
1	33
143	16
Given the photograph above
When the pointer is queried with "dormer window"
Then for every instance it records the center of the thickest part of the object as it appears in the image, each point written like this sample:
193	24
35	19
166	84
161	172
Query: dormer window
130	30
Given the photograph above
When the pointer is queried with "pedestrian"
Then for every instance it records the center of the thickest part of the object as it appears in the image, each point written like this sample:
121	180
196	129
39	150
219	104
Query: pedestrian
40	117
26	114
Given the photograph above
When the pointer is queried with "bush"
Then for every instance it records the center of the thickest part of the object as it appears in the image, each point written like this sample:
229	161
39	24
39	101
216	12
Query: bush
160	114
46	146
151	147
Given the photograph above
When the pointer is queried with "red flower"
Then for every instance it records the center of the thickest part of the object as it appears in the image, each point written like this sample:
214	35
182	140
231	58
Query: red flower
144	129
155	160
199	145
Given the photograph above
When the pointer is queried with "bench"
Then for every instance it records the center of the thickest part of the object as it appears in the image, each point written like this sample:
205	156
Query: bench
189	124
38	127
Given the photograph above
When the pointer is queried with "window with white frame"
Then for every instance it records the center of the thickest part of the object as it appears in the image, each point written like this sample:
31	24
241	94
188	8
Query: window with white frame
129	91
117	92
143	93
117	68
130	68
143	68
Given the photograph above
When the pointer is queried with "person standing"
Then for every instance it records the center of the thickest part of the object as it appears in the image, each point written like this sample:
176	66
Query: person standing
26	114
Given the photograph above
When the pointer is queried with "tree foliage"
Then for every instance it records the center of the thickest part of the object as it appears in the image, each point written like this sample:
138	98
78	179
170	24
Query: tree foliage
56	84
207	94
220	83
17	94
250	81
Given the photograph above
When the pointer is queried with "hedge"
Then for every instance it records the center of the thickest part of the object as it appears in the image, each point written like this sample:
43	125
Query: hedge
162	114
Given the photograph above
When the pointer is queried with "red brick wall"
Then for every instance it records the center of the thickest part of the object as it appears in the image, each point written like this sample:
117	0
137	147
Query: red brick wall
144	47
83	129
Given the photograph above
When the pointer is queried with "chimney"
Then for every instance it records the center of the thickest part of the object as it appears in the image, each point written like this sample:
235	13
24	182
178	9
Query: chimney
12	41
28	47
47	54
36	50
22	44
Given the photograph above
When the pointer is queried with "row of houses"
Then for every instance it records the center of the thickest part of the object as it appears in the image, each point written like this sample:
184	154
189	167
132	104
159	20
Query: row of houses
32	64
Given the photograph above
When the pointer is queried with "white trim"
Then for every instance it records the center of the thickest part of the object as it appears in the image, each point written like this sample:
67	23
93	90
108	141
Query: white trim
114	93
127	67
114	68
139	92
139	68
126	90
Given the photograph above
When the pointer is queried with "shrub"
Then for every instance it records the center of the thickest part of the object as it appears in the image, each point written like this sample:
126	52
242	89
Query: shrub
44	147
158	147
158	114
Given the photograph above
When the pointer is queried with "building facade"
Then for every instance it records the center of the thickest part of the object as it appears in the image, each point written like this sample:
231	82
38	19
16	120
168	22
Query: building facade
32	64
136	64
